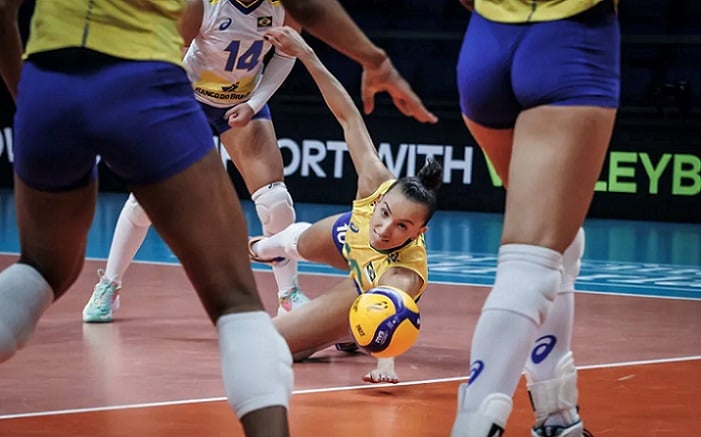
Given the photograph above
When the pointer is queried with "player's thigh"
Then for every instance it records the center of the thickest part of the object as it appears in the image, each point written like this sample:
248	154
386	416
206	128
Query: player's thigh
255	153
496	144
197	213
319	322
53	229
557	158
320	243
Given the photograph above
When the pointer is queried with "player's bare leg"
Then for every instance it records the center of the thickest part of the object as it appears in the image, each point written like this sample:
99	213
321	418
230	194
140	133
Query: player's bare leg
198	215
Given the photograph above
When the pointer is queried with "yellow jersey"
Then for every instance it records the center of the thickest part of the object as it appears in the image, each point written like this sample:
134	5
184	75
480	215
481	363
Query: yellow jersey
530	11
128	29
368	264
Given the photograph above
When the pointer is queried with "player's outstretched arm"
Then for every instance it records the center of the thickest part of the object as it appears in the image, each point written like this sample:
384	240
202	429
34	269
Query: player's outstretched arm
371	171
10	45
328	21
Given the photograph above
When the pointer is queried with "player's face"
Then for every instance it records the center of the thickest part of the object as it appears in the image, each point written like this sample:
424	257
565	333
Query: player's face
395	220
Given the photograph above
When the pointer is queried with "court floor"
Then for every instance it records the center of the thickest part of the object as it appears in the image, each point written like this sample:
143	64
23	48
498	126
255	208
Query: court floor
155	370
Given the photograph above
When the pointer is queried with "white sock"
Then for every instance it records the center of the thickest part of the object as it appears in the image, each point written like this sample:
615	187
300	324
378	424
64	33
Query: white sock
501	338
527	281
283	244
129	235
24	296
554	338
285	276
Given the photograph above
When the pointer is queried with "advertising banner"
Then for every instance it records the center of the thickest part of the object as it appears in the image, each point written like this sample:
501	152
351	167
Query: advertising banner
652	172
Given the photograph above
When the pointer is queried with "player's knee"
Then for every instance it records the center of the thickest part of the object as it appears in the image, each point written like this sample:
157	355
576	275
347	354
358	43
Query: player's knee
257	364
274	206
527	281
572	261
135	213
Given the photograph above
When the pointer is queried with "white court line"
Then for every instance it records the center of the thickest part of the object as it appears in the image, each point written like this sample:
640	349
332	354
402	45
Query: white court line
322	390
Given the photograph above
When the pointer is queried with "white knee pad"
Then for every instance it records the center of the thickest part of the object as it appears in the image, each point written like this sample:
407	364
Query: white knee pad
256	362
274	206
135	213
527	281
557	395
572	261
24	296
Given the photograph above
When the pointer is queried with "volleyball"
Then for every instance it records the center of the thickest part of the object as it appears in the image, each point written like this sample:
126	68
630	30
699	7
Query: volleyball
384	321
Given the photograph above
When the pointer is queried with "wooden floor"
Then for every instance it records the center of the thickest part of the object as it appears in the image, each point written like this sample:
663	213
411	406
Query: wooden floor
155	371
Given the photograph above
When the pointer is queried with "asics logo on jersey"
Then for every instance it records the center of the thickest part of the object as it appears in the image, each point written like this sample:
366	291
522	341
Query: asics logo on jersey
393	257
265	21
544	346
231	87
354	227
225	24
475	371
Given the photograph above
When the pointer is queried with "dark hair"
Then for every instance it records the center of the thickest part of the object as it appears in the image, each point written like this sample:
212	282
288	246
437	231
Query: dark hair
423	188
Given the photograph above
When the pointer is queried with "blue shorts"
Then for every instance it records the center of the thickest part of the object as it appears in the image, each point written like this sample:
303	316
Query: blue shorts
506	68
338	233
140	117
216	119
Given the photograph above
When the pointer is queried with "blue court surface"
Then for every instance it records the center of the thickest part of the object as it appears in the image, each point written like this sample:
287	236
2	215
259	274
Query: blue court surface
621	257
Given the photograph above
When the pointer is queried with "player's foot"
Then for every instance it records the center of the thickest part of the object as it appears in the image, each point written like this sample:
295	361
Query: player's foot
292	300
574	430
254	257
103	302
